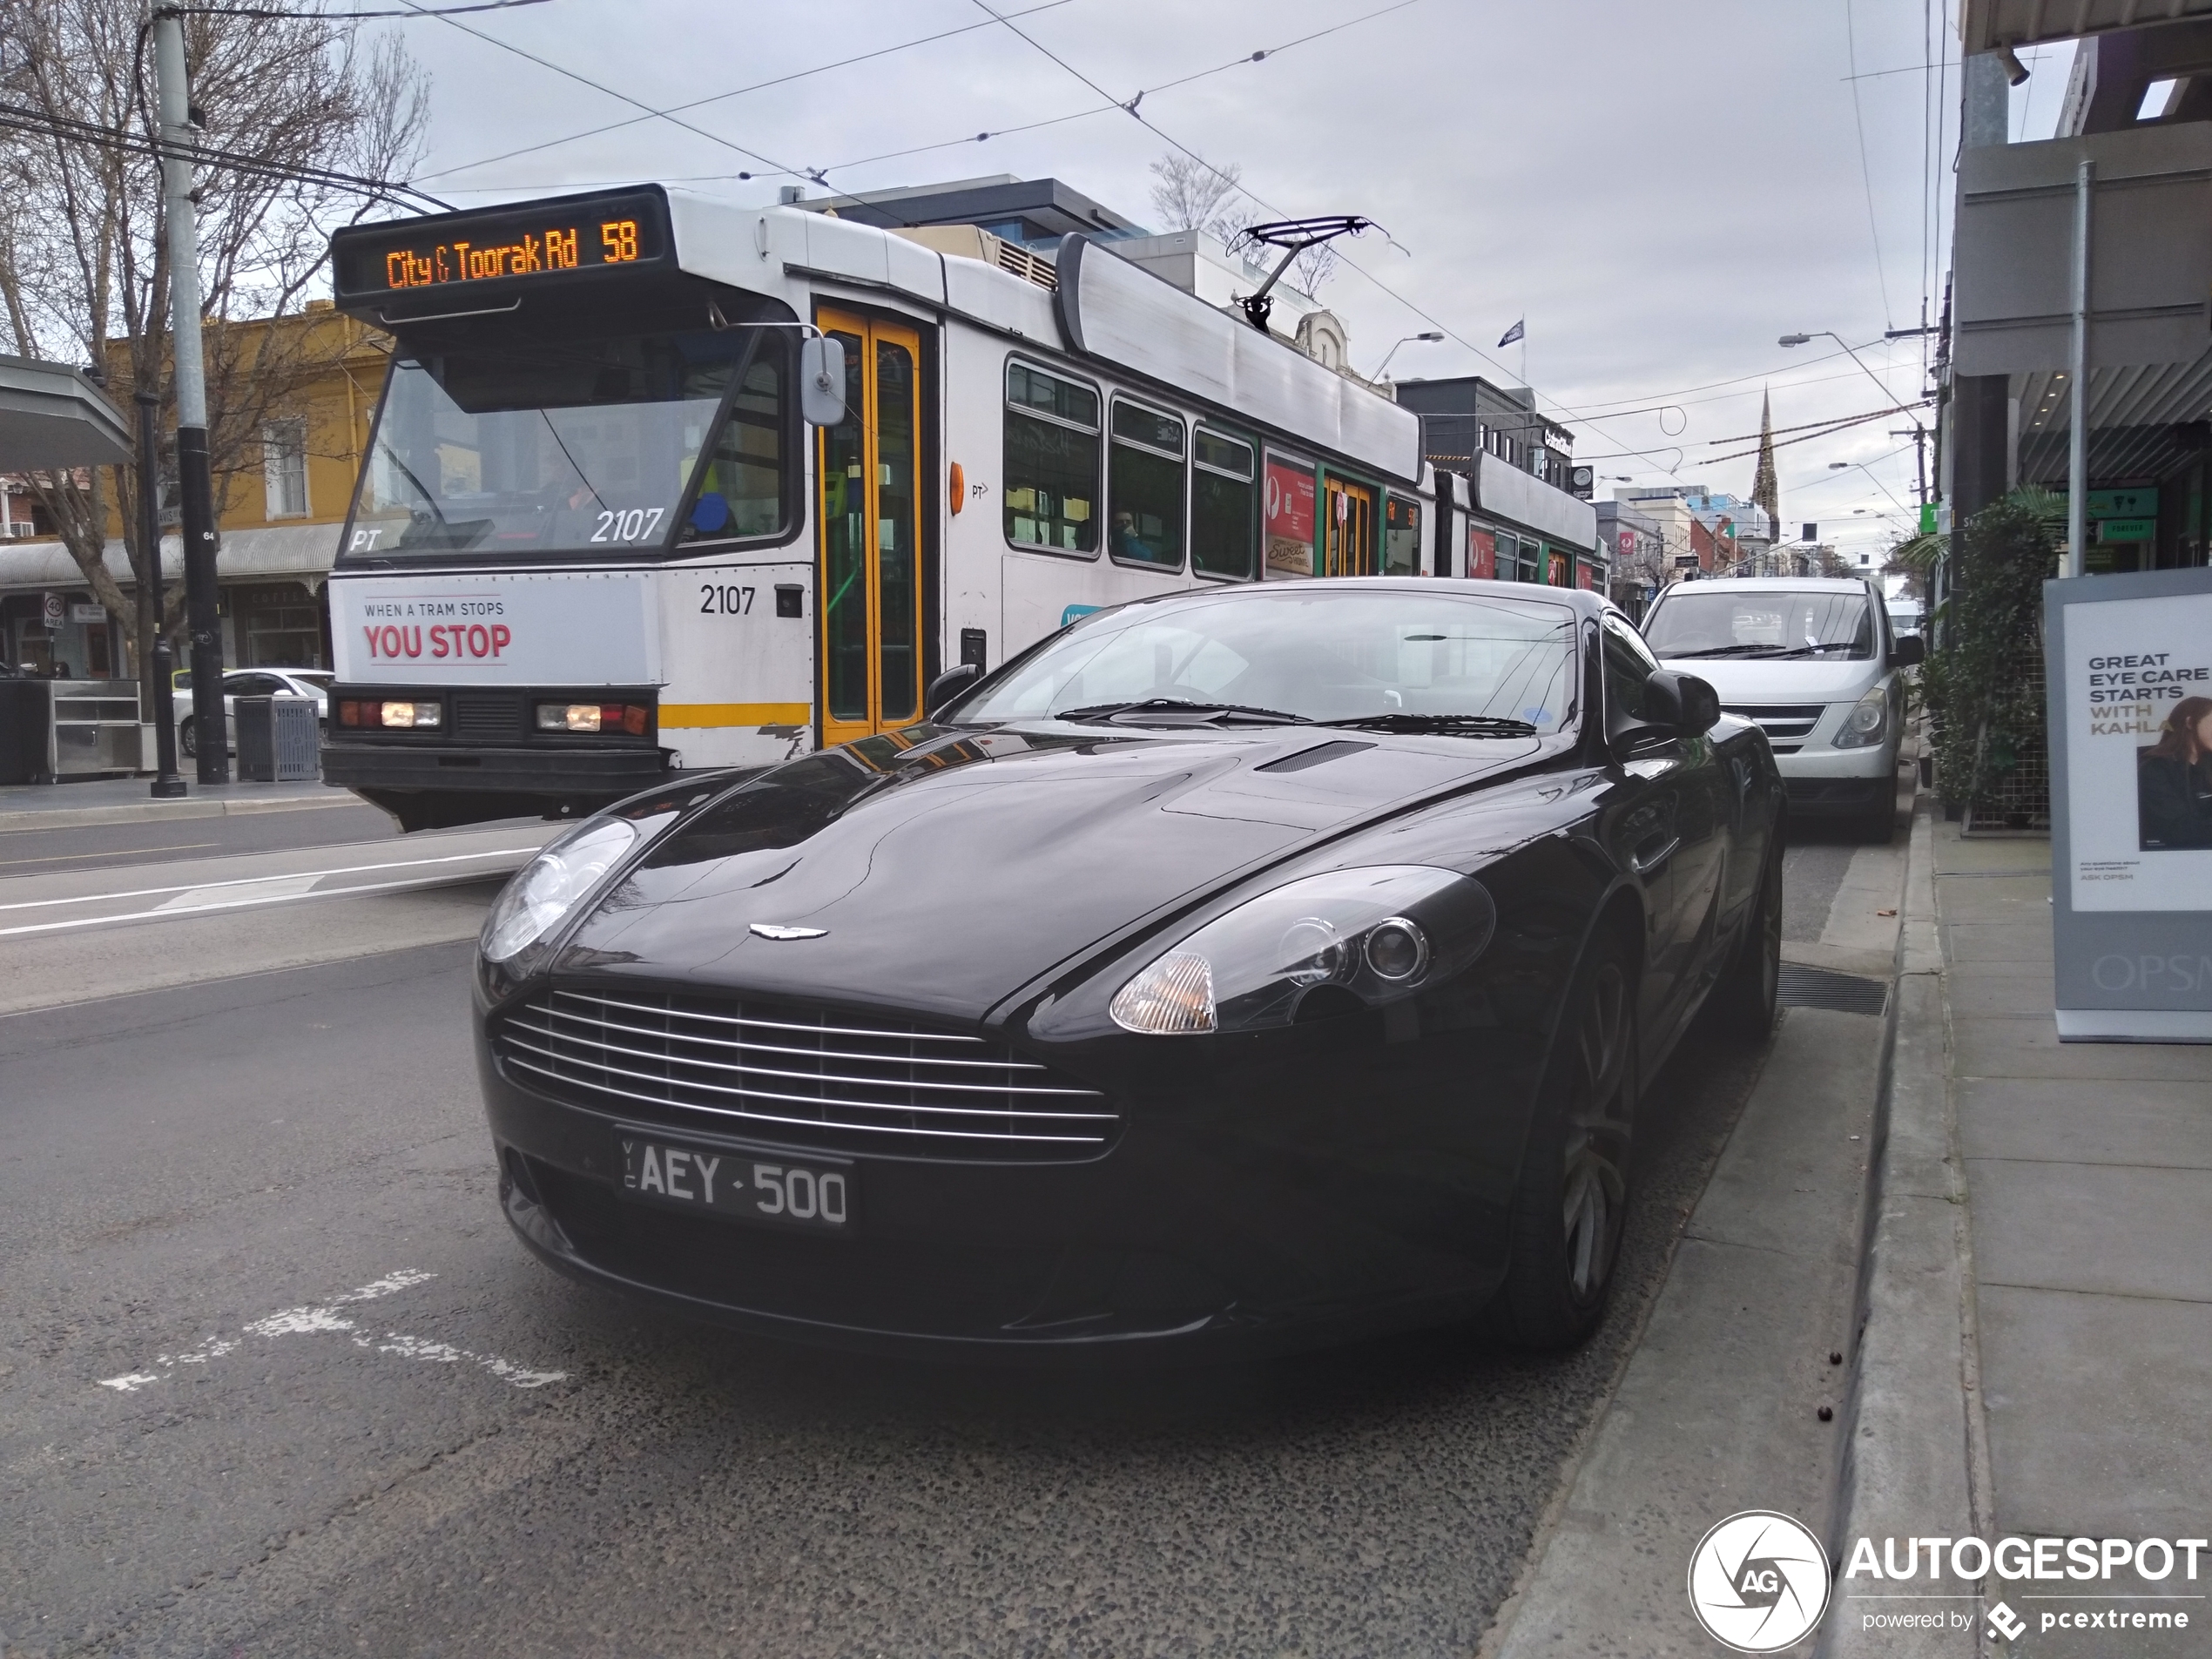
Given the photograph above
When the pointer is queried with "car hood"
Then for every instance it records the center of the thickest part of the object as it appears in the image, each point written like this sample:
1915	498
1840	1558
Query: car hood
1741	680
948	870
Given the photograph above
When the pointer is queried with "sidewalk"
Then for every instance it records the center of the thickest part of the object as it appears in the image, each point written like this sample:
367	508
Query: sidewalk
126	800
2037	1359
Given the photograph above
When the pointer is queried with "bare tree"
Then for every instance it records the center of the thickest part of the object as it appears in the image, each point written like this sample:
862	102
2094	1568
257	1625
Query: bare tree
84	258
1189	194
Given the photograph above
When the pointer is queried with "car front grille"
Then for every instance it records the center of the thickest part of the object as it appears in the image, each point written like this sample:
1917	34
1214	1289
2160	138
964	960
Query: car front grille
1786	725
852	1084
488	716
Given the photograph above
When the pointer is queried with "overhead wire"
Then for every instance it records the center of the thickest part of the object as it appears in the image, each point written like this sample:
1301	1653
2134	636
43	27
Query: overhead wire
1176	144
738	91
1866	172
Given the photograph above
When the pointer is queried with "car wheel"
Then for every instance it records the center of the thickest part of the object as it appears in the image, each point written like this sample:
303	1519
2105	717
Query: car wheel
1572	1196
187	746
1748	998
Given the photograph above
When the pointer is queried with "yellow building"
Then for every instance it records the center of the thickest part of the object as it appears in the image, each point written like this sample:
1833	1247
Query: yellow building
281	503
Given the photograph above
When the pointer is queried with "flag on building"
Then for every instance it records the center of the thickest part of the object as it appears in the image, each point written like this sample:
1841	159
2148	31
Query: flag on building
1514	332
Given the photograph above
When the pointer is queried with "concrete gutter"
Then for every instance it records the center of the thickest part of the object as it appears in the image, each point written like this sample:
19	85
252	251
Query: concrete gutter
1915	1461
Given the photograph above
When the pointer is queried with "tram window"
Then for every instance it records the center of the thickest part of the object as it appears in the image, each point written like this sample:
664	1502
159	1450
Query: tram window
1508	557
1051	461
1144	486
1402	538
741	490
1223	506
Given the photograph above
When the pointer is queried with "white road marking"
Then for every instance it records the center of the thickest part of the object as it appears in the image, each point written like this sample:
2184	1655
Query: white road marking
310	1321
160	913
252	880
219	896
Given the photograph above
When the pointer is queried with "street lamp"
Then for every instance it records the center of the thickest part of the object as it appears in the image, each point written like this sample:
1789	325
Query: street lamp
1807	338
1432	335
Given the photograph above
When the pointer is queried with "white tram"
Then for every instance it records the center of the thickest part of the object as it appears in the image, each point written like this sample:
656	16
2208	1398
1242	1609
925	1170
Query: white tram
597	539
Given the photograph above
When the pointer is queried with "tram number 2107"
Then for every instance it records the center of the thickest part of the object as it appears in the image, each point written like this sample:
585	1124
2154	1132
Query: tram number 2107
718	601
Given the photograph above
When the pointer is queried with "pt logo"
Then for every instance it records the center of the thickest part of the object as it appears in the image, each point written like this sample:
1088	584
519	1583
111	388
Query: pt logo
1758	1581
2006	1624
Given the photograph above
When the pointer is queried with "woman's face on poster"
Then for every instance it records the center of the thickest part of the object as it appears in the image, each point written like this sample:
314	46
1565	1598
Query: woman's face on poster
2204	732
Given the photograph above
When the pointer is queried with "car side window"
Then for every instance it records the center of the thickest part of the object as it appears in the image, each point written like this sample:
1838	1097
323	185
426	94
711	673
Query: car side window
1629	665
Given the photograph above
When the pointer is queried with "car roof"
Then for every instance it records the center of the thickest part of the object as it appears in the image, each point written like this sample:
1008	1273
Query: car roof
1583	599
1773	584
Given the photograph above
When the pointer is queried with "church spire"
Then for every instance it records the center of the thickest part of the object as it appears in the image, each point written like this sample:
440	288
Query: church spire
1766	489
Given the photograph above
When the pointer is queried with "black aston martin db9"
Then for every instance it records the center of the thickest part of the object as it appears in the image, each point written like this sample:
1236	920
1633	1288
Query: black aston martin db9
1255	966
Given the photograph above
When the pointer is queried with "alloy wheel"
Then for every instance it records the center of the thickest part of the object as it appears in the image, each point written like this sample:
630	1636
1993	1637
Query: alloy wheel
1595	1189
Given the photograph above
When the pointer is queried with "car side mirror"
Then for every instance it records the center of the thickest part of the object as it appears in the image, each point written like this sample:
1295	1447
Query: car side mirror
1909	651
946	686
1684	701
821	380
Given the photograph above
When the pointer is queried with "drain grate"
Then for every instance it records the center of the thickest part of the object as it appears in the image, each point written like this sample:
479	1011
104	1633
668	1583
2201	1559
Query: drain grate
1819	987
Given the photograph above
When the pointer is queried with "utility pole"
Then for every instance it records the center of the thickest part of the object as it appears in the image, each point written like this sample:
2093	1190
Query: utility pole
195	484
166	785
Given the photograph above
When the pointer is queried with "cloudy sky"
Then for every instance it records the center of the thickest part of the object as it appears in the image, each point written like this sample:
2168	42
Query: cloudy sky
1661	189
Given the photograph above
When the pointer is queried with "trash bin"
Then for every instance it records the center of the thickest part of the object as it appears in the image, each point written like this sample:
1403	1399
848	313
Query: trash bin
278	741
26	732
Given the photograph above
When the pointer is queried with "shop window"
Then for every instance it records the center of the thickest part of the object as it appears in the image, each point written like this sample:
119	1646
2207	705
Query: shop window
284	468
1144	486
1052	442
741	491
1224	506
1401	538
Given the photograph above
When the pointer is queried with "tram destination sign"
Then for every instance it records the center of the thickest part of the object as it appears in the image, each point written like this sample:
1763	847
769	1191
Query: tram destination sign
566	236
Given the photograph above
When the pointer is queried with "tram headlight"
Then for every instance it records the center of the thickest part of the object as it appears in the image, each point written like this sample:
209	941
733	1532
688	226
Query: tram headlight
547	887
415	714
1359	936
626	718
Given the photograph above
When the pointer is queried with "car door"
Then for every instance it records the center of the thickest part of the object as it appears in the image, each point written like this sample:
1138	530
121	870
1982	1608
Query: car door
1672	834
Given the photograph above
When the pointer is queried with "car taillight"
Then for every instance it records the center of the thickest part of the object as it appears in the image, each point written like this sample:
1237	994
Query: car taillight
369	711
628	718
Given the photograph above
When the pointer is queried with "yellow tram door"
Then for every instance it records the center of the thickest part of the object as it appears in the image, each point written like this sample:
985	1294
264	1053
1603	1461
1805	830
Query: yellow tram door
1348	536
869	574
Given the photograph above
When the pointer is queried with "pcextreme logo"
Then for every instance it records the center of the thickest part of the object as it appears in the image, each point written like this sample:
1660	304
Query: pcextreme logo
1758	1581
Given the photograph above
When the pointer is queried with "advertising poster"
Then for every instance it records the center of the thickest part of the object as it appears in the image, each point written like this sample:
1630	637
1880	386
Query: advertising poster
1290	518
2138	700
497	629
1482	554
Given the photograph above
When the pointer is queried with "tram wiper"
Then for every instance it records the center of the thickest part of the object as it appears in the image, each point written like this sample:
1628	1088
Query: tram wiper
1181	711
1450	725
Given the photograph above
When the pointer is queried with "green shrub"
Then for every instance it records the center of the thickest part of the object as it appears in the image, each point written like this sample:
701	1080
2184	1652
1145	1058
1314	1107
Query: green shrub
1984	681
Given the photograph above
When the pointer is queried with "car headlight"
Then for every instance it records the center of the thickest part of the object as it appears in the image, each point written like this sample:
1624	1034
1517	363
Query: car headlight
547	889
1867	722
1350	937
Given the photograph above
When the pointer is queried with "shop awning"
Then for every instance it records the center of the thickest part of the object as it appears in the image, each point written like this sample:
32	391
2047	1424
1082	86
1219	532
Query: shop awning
298	552
1986	25
52	417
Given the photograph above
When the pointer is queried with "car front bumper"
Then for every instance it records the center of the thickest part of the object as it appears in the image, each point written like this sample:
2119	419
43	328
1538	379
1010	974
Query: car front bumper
1340	1189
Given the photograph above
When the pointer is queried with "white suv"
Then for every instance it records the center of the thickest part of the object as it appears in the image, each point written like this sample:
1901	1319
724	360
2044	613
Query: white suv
1813	662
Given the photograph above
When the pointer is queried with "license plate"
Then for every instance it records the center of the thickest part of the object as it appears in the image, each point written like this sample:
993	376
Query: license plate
743	1186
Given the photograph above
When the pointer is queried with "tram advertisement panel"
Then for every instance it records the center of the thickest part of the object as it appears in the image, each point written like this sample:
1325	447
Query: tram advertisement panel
1482	554
587	629
1290	518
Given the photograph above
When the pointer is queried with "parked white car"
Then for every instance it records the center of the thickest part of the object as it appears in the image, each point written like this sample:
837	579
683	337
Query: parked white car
249	682
1813	661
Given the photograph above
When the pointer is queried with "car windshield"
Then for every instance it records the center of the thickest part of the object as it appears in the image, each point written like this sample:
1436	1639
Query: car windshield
1721	621
584	446
1312	652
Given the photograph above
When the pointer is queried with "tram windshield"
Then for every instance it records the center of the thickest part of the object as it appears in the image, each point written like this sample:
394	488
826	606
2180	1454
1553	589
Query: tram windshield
586	447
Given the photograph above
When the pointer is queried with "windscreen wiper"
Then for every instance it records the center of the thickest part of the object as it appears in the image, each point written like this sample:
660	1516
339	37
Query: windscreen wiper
1729	651
1452	726
1815	650
1180	711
